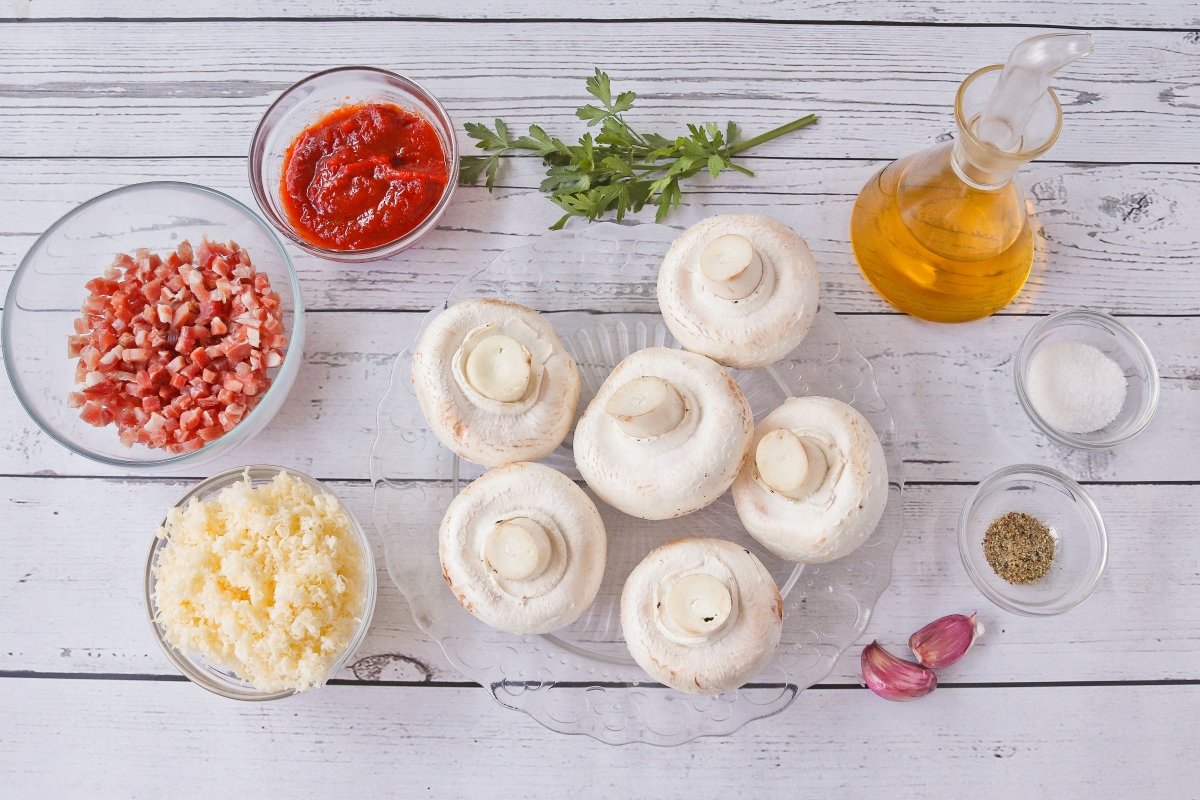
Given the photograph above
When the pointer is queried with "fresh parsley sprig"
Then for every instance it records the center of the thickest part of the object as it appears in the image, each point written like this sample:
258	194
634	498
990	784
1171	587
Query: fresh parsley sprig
619	169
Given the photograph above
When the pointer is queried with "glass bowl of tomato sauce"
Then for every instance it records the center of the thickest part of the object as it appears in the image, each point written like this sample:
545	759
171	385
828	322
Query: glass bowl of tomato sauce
354	163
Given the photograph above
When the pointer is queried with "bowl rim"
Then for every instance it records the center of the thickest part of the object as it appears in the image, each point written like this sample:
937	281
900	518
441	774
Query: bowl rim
187	665
254	169
1123	331
292	353
1082	497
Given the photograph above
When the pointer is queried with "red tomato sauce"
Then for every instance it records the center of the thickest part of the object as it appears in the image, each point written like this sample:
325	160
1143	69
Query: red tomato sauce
363	176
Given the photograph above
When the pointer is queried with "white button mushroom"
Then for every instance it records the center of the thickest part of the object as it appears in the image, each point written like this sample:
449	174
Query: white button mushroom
817	484
494	382
739	288
701	615
665	434
523	549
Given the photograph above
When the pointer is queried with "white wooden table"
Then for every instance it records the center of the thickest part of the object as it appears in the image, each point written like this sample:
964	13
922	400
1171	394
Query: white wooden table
1103	701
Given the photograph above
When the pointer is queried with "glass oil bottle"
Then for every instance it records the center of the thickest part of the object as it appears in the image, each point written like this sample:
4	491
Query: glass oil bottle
945	234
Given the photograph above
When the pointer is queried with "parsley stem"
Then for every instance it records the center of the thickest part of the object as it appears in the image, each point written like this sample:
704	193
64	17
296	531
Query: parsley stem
774	133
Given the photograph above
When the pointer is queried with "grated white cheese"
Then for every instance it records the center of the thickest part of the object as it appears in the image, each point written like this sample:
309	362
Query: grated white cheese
265	581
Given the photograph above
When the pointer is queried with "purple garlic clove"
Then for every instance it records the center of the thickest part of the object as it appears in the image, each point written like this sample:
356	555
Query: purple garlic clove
944	641
894	678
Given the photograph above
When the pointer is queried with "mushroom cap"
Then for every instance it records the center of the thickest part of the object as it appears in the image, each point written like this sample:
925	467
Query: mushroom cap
701	664
682	470
758	329
570	578
844	508
476	427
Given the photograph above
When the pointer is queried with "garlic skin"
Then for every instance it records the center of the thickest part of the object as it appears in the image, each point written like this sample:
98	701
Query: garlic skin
894	678
944	641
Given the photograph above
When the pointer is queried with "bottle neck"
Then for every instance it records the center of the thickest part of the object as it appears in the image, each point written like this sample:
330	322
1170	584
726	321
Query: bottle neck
982	170
982	163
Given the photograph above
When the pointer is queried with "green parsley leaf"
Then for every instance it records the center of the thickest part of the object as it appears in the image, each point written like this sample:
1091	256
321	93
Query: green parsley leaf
618	169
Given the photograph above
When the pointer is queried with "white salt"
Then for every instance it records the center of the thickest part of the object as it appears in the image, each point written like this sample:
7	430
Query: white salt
1075	387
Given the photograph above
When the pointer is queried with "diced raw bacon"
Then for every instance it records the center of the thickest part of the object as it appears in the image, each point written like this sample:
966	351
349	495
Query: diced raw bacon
105	340
184	314
211	433
187	341
175	351
238	352
101	286
94	413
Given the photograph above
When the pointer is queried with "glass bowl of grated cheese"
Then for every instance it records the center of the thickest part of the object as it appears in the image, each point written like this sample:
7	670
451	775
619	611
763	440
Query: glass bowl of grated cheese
260	584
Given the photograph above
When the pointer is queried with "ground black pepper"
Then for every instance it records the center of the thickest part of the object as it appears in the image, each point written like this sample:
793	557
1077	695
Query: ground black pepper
1019	547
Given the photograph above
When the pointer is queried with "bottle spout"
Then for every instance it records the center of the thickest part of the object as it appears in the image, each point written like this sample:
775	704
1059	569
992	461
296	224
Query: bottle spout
1023	81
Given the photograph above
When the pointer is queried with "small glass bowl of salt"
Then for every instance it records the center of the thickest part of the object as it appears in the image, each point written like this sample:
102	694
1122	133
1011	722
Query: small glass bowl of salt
1086	380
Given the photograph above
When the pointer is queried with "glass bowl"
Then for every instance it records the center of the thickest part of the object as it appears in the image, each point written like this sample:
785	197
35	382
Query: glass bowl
581	679
218	679
1118	342
47	291
306	102
1080	542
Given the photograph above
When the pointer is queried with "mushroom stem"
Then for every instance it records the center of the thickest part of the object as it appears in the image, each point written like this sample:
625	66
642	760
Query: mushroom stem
646	407
517	549
499	367
731	267
790	465
699	604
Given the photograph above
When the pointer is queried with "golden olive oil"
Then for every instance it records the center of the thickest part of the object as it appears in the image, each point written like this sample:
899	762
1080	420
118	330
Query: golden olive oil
936	247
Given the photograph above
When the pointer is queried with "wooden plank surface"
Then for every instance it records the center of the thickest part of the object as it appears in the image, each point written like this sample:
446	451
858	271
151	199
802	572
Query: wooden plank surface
86	583
1102	701
74	89
140	739
950	389
1121	238
1139	13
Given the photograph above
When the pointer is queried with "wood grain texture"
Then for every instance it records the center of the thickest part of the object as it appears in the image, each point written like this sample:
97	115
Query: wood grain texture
76	89
87	586
950	389
1117	237
87	106
1141	14
171	739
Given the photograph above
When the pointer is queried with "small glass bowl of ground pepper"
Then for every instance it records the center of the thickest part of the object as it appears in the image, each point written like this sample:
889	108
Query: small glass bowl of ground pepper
354	163
1032	540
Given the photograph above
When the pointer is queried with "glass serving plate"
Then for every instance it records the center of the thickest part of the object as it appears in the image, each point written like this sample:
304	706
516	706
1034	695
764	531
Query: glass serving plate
582	680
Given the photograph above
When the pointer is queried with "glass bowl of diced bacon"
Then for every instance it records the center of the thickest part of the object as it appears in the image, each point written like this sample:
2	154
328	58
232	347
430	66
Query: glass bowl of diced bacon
157	324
